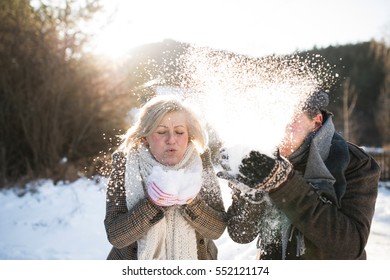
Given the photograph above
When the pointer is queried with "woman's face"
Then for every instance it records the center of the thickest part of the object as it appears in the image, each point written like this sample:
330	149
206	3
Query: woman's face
297	131
169	141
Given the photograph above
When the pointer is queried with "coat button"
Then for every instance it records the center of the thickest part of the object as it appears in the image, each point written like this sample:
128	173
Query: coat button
201	241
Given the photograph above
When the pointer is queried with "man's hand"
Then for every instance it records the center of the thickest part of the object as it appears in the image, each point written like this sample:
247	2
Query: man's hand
259	171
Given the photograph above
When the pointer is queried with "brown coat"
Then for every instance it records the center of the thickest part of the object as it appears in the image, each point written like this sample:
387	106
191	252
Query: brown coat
335	224
205	213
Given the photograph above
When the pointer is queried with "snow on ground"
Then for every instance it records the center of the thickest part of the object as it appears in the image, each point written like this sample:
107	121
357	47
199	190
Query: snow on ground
65	222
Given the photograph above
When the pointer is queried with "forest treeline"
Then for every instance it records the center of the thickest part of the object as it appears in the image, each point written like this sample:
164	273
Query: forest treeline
62	109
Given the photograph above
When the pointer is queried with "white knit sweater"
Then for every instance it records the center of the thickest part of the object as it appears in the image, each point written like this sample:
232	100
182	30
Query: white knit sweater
172	238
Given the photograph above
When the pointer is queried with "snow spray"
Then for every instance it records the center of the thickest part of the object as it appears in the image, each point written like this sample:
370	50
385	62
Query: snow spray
248	102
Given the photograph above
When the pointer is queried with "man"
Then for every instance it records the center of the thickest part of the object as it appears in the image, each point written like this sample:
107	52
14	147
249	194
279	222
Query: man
314	200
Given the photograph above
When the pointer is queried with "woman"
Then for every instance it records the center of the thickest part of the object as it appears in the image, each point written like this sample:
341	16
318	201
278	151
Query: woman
163	198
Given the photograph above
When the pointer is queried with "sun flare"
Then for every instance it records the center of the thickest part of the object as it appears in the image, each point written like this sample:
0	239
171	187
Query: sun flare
249	27
120	27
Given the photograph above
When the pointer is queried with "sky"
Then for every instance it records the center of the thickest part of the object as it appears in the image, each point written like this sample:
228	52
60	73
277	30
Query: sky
252	27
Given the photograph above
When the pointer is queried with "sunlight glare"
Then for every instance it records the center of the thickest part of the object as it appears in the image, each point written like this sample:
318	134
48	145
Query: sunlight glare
121	27
265	93
248	27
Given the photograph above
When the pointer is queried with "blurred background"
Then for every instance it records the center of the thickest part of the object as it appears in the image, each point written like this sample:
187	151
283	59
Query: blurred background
71	71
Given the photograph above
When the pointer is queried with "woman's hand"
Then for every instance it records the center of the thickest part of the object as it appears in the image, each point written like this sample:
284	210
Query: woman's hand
159	195
173	187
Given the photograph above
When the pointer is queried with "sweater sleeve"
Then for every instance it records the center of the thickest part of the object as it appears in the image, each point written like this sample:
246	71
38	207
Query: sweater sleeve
206	213
123	226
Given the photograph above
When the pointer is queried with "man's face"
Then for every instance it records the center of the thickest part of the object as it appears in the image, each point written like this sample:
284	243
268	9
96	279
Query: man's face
297	131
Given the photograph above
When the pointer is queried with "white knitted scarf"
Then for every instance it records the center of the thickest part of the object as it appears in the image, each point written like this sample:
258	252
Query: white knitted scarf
172	238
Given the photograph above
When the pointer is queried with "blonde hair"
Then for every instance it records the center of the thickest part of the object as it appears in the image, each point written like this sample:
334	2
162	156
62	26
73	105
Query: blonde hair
150	116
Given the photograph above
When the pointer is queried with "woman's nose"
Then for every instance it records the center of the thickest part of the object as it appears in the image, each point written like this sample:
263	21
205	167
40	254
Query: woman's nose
171	138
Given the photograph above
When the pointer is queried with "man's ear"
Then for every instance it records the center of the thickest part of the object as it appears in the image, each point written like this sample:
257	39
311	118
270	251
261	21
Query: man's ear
318	119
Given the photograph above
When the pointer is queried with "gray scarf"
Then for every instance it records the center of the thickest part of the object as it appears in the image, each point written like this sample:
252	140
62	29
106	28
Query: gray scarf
312	154
315	150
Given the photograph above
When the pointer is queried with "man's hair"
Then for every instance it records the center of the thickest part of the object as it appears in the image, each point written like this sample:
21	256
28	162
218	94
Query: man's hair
316	103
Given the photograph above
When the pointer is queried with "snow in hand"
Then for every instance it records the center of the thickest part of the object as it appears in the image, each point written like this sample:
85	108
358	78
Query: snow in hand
163	185
65	222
